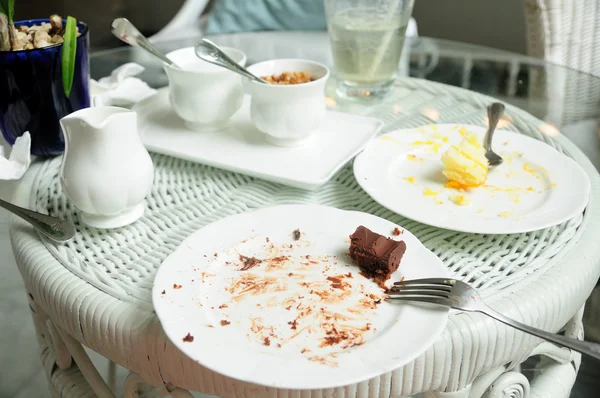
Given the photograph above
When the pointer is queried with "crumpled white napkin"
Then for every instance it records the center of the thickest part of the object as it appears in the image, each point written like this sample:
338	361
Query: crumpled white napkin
121	88
18	162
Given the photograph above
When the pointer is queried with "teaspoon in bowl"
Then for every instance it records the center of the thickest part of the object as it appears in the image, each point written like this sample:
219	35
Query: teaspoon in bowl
207	51
127	32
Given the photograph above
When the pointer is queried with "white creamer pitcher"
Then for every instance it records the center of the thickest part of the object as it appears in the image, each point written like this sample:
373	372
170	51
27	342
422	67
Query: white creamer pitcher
106	171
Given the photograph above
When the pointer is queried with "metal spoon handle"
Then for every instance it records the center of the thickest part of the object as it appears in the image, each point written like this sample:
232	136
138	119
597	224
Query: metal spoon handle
127	32
209	52
54	228
495	111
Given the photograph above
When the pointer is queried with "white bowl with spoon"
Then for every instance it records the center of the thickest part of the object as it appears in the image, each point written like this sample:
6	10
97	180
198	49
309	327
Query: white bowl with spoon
287	114
205	96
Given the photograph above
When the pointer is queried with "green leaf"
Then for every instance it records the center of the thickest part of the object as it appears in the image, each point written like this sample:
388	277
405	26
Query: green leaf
3	9
10	7
68	55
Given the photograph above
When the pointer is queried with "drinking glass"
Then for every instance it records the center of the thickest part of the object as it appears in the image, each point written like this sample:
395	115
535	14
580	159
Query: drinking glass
367	37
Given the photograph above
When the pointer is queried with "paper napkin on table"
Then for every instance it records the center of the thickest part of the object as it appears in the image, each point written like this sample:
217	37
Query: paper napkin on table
121	88
18	162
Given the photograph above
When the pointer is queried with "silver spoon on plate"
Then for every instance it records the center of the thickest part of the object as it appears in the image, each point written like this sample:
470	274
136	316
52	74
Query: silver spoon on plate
495	111
127	32
208	51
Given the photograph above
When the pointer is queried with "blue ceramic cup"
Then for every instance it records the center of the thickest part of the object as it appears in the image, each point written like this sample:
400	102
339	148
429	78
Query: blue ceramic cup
32	96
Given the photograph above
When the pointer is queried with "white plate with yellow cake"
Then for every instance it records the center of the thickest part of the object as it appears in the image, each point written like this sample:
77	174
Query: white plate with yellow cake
437	175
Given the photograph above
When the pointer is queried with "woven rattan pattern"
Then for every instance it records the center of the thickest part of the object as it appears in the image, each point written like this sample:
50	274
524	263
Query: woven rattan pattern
187	196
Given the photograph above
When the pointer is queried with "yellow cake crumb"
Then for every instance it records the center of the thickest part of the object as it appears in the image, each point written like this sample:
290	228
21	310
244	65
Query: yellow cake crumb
440	137
456	185
410	179
505	214
528	168
388	138
479	211
493	188
466	163
462	131
460	200
430	192
435	146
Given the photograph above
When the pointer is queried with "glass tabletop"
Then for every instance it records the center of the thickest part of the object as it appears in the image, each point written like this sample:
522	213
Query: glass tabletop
566	99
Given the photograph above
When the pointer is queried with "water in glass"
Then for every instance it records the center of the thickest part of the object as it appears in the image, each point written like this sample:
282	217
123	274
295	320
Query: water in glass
366	40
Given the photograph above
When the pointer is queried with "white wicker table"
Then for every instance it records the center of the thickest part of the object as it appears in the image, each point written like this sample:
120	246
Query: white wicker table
96	290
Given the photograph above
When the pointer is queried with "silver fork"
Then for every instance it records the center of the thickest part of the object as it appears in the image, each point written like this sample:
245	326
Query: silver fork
461	296
495	112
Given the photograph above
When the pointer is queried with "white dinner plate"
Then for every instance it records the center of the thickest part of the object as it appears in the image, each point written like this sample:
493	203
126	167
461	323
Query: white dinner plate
241	148
536	187
303	318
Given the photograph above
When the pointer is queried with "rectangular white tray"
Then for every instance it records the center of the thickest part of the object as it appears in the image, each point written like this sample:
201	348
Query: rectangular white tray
243	149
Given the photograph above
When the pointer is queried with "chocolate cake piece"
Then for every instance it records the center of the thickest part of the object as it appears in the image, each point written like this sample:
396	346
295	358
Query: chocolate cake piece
377	256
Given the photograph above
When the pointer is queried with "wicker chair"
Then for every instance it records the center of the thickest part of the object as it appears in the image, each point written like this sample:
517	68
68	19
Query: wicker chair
565	33
187	22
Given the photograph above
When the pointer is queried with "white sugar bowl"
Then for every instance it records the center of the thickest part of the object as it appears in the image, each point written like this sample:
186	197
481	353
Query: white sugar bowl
204	95
288	114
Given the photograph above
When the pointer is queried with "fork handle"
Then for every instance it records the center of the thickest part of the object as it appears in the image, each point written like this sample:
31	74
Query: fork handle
584	347
495	111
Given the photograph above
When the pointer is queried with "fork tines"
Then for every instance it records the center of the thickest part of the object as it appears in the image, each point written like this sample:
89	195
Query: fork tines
427	281
429	290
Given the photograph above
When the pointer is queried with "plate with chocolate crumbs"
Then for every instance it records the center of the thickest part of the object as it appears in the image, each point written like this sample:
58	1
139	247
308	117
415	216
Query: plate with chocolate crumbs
293	297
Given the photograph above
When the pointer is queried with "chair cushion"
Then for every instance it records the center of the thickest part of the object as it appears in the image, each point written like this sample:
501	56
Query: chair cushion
232	16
